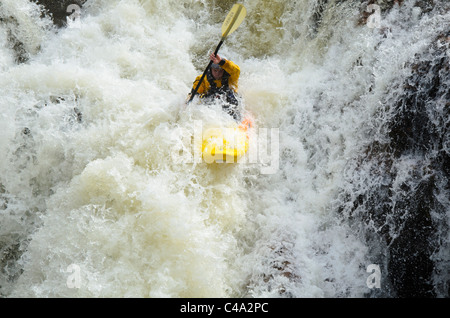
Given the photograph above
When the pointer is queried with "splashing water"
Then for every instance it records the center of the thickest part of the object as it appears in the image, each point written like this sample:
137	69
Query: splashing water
93	203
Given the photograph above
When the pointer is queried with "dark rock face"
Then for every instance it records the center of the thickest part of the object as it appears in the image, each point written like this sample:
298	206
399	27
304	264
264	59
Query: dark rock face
58	9
420	130
385	5
21	55
401	202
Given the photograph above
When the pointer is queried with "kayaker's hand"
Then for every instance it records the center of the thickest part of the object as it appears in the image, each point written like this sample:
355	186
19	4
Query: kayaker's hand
215	58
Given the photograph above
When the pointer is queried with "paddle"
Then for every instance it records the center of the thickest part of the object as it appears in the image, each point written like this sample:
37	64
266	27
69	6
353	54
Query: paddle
231	23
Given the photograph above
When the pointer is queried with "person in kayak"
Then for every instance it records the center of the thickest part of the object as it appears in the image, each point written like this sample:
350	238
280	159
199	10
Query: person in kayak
221	81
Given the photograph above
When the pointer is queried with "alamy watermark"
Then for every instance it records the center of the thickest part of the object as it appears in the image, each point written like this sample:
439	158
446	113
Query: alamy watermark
374	279
374	20
74	279
74	19
263	148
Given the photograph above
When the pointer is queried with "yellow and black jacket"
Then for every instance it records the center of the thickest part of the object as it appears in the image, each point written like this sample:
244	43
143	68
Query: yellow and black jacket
229	79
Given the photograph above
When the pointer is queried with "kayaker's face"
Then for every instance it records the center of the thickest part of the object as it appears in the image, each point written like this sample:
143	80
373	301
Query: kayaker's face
217	73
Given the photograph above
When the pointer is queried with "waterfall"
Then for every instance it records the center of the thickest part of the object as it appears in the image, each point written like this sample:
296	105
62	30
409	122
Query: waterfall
349	98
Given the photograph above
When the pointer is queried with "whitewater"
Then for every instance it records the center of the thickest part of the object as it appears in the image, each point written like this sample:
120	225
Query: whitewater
99	196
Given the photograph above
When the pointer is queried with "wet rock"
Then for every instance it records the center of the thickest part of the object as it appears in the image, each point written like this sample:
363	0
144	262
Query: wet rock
283	265
3	198
317	16
420	130
60	10
10	254
369	7
21	54
404	178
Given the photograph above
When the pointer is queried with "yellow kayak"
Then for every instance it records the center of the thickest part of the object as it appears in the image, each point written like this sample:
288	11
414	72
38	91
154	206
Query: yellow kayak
225	144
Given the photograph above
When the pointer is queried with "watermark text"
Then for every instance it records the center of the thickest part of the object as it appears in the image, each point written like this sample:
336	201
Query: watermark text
374	279
263	147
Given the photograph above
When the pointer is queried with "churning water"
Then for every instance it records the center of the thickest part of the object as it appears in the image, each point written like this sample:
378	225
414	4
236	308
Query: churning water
94	201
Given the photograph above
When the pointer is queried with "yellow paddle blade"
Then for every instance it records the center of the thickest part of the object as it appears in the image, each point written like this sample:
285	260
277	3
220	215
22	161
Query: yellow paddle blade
233	19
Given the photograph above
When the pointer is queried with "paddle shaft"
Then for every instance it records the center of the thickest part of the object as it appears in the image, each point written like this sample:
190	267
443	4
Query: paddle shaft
204	73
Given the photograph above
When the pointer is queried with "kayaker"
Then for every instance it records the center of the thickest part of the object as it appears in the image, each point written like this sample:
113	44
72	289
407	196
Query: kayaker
221	81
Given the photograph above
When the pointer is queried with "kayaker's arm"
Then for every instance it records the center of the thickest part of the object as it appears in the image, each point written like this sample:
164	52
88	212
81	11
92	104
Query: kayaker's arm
234	71
203	86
